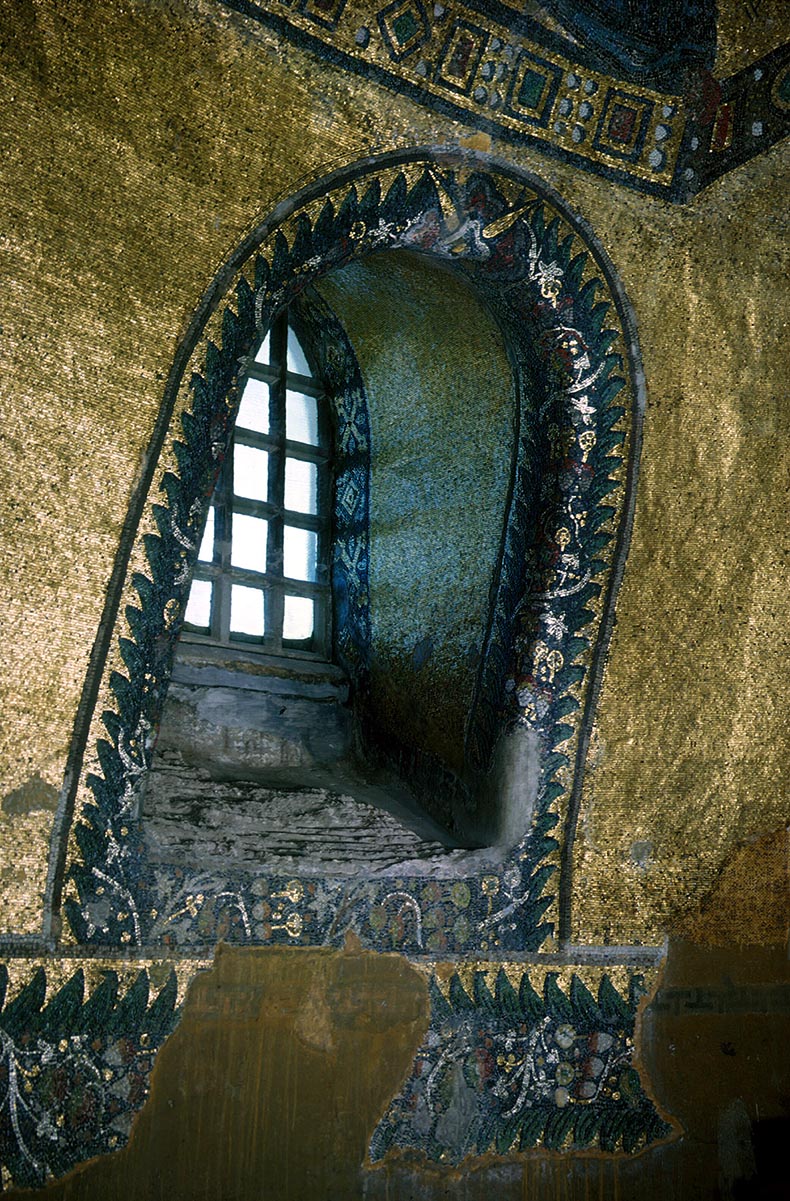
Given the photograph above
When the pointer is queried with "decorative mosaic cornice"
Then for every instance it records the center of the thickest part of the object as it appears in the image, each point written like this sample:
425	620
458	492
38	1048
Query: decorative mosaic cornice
499	71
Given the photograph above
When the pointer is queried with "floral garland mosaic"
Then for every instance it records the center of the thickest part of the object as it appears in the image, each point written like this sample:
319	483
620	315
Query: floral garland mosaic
74	1070
566	536
505	1068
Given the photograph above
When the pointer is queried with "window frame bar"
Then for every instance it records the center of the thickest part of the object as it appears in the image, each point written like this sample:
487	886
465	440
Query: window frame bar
272	581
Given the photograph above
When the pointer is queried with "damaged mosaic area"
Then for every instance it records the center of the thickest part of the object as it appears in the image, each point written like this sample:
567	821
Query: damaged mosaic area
513	1058
559	549
76	1059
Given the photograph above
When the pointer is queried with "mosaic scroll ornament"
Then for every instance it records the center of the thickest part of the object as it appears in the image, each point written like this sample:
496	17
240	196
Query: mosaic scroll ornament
508	1070
561	557
74	1070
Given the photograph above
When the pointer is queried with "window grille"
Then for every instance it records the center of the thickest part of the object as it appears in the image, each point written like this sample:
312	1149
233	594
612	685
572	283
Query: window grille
262	572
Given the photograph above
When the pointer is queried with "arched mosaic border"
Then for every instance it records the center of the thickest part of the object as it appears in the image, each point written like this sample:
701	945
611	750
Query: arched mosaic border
555	598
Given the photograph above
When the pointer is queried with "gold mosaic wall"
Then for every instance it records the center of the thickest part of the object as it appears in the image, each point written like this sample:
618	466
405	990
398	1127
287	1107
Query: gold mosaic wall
746	31
140	144
691	757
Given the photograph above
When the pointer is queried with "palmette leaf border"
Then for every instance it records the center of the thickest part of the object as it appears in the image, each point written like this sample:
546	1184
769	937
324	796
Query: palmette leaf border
74	1070
523	1069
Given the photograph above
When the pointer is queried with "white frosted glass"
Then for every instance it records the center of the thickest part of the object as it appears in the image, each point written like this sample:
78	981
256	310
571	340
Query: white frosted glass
301	486
254	407
298	620
263	354
246	610
250	472
206	552
248	542
296	356
301	417
299	553
198	611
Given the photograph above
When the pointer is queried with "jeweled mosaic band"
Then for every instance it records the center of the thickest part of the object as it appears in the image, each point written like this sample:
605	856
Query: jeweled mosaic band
551	1067
509	76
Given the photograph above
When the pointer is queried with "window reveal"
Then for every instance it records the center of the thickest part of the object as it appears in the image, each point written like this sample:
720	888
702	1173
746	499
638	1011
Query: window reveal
262	574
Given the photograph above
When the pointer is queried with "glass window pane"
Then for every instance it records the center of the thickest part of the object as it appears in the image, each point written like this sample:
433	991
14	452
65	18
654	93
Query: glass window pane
298	619
299	553
301	417
264	354
250	472
248	542
254	407
296	356
301	486
198	611
246	610
206	552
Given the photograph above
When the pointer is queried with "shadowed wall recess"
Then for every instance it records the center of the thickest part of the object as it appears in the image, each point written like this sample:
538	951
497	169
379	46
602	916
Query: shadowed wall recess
580	400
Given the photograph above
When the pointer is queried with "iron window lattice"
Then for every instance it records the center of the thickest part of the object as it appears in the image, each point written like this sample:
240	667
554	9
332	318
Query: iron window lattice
262	575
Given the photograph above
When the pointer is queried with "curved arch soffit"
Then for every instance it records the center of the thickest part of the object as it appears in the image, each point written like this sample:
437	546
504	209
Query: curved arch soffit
564	548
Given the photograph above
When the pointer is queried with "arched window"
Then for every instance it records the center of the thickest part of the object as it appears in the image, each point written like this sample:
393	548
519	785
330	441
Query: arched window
480	526
262	575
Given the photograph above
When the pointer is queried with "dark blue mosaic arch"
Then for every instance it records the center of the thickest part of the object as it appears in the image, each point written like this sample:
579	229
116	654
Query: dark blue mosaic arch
319	330
562	557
